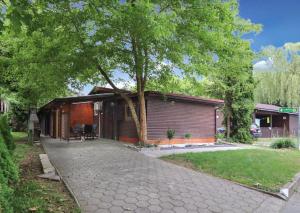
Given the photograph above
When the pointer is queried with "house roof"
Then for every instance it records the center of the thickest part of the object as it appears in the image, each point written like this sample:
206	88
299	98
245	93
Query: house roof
269	108
75	99
101	90
186	97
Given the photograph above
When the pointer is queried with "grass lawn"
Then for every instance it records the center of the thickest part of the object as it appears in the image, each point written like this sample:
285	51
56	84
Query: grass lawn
33	194
19	136
271	140
271	169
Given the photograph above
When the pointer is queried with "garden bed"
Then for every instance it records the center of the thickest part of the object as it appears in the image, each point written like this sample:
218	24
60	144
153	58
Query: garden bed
34	194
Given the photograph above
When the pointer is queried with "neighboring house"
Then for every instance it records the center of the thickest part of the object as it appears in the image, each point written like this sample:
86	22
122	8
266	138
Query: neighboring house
271	122
184	114
4	106
274	123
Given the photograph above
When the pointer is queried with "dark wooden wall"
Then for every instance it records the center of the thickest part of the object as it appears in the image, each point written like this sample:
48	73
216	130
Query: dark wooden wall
126	128
107	120
293	124
184	117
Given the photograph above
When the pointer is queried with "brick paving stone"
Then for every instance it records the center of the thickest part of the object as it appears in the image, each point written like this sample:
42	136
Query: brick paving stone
105	176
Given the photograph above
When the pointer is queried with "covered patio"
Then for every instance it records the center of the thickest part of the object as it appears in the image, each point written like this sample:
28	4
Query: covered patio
77	117
273	123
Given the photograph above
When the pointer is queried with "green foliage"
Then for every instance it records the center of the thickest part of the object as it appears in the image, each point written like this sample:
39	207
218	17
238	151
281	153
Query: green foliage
5	133
8	177
141	41
279	83
30	189
220	135
283	144
169	83
187	135
19	136
170	133
18	115
6	196
22	65
233	82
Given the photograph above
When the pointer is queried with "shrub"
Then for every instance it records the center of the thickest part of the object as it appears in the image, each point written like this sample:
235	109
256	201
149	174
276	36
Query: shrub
5	133
220	135
187	135
283	143
170	133
8	177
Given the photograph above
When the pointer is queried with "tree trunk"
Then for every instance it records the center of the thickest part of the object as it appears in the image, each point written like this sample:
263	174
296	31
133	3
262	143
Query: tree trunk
126	98
143	118
228	113
228	126
133	113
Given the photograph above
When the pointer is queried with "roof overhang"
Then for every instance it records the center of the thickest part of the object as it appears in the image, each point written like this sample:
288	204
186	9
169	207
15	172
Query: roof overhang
76	99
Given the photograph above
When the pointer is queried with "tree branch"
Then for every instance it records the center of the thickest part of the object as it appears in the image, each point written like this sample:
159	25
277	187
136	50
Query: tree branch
146	64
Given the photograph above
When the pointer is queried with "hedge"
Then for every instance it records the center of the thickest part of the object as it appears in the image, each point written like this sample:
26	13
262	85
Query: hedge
8	170
5	132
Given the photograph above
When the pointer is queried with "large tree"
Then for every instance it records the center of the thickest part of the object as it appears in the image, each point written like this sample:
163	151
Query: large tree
141	39
278	81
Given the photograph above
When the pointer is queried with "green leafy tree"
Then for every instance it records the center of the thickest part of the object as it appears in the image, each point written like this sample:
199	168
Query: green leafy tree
170	83
234	83
140	40
279	82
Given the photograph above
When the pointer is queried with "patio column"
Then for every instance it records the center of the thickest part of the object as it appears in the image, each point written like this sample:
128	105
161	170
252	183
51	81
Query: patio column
115	131
271	124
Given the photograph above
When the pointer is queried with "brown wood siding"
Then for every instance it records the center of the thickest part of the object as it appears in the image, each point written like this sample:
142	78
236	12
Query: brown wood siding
126	128
219	118
184	117
107	120
82	113
293	123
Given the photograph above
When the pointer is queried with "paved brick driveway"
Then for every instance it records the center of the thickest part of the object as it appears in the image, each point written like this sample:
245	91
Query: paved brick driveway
108	177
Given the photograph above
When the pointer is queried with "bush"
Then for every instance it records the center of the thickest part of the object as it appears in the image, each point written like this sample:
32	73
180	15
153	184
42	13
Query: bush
8	177
220	135
5	133
188	135
170	133
283	143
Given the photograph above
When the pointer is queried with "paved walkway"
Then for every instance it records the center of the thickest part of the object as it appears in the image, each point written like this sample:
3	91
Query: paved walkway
156	153
293	205
105	176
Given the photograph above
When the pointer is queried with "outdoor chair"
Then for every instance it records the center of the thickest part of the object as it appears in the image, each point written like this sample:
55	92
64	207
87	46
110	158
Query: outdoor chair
77	131
88	131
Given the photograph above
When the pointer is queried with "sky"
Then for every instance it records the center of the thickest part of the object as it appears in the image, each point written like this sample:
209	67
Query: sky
280	20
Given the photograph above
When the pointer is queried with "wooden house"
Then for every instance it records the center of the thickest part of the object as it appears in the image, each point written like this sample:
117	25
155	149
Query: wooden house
108	112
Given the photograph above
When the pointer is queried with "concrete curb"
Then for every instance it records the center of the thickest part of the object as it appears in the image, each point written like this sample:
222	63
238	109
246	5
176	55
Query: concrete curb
132	147
64	182
288	189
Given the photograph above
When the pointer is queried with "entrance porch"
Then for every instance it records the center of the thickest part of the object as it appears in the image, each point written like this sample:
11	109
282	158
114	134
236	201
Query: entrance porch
90	116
